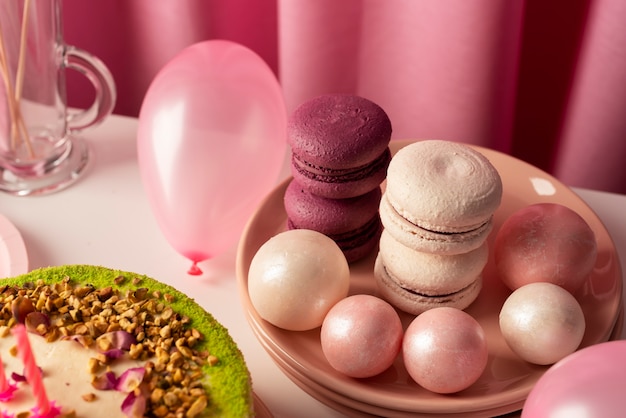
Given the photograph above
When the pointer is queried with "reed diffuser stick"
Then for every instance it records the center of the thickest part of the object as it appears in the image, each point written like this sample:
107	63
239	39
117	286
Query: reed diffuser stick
19	80
19	132
8	87
19	77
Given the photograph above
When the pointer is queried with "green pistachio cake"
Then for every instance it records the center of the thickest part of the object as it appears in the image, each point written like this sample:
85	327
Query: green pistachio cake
116	344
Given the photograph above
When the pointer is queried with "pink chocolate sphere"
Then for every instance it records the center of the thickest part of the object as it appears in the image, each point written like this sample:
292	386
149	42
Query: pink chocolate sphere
542	323
545	242
445	350
361	336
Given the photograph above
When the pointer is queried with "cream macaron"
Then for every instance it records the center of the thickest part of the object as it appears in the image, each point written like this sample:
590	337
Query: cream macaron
440	197
416	281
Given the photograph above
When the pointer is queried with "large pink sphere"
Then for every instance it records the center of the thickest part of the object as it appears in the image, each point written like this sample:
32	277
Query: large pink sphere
445	350
361	336
588	383
545	242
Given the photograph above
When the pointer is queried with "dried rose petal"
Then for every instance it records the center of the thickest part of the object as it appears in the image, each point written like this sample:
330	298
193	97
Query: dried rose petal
130	379
80	339
18	377
134	405
106	381
114	353
37	322
115	340
21	307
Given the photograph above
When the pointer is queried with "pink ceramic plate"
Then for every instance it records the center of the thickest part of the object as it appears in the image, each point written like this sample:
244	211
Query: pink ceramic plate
13	257
260	410
353	408
507	380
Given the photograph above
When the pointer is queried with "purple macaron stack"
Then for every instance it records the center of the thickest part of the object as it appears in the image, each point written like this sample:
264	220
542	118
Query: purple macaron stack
340	154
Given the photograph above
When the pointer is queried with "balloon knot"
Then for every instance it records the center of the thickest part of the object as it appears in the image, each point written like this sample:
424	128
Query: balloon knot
194	270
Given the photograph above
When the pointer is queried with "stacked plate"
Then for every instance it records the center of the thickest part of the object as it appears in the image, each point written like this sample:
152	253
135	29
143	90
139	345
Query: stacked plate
13	256
507	380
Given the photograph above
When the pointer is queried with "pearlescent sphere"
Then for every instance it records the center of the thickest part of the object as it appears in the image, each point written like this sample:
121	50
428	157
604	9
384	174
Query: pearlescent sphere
445	350
296	277
361	336
545	242
542	323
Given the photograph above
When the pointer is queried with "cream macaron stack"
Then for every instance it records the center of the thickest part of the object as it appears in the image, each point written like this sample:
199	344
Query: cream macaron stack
437	212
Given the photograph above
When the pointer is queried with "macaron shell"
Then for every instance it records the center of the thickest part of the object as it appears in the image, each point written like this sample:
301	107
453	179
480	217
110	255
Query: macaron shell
353	223
420	239
443	186
338	131
342	183
329	216
431	274
414	303
362	242
357	243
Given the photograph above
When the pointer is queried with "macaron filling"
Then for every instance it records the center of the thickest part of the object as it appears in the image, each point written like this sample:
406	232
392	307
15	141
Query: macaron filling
438	229
419	238
359	236
446	297
469	231
417	301
353	241
341	175
441	297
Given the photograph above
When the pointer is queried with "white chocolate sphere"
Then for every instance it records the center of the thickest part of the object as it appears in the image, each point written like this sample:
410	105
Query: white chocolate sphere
445	350
542	323
361	336
296	277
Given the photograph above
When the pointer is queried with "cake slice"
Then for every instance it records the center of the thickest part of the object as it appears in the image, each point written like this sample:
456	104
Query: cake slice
117	344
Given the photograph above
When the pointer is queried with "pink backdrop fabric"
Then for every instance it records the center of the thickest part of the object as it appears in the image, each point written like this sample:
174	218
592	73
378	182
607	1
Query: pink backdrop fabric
543	81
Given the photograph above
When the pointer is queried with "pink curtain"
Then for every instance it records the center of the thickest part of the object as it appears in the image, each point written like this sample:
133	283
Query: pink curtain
542	80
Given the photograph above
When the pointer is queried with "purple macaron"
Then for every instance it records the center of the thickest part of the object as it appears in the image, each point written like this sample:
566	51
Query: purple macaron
340	145
353	223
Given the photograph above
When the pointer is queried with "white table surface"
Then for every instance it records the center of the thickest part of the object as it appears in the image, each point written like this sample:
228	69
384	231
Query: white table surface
105	219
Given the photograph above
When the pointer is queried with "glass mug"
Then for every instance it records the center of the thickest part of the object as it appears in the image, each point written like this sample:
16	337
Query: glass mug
39	151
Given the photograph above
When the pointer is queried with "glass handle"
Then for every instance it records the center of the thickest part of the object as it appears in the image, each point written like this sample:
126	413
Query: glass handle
100	76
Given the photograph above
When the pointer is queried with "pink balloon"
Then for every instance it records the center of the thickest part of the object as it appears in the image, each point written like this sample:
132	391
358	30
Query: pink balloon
588	383
211	143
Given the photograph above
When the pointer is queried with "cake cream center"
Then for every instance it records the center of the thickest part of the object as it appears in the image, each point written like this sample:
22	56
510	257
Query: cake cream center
65	376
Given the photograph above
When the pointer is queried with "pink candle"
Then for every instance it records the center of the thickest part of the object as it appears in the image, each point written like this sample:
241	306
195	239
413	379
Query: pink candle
32	372
6	388
4	384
